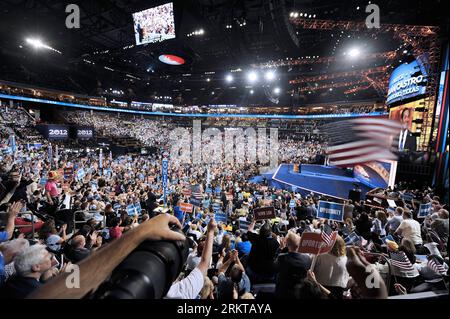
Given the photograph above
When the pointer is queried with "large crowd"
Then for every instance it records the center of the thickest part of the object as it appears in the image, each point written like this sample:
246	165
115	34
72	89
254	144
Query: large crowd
90	211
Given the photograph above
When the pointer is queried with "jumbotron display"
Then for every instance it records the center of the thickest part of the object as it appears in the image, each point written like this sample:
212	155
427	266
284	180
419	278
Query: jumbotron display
155	24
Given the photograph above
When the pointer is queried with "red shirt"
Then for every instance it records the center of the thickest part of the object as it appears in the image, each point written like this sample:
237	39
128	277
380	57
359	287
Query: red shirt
115	232
51	188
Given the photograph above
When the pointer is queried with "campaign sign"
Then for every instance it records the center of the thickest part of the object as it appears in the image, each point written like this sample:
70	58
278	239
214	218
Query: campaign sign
186	207
131	210
165	169
243	224
310	243
195	201
81	174
329	210
264	213
216	207
424	210
218	190
292	203
206	203
43	181
117	206
138	207
208	190
220	217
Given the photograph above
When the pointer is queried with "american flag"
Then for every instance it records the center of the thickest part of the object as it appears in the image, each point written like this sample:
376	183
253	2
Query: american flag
328	235
361	140
400	260
437	267
197	192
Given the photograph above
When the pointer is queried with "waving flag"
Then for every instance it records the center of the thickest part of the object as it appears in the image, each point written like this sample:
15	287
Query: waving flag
361	140
400	260
437	267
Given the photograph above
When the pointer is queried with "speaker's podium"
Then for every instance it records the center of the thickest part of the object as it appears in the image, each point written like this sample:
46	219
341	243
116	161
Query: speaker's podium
297	168
354	195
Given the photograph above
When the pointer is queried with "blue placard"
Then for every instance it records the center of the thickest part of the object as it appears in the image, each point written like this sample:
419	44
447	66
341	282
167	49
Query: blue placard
218	190
117	206
138	207
332	211
216	207
243	224
208	190
424	210
292	203
43	181
165	169
206	203
220	217
407	197
81	174
194	201
131	210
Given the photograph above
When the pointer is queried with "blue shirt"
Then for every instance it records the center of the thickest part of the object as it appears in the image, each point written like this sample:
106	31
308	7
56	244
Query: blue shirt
4	236
244	247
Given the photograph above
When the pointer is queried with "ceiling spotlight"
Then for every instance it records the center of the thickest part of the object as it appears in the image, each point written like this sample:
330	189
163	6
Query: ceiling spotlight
229	78
277	90
270	75
252	76
331	89
296	15
354	52
208	80
301	14
38	44
251	91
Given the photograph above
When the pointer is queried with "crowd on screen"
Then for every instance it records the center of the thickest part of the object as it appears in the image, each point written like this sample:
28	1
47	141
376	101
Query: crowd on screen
76	206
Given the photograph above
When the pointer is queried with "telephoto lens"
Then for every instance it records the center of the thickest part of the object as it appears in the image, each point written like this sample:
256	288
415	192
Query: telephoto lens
147	273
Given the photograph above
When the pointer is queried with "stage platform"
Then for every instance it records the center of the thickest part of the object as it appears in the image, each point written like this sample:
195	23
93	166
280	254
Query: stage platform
319	179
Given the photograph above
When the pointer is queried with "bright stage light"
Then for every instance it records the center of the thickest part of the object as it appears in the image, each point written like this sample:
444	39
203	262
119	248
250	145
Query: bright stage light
277	90
251	91
38	44
252	76
354	52
229	78
270	75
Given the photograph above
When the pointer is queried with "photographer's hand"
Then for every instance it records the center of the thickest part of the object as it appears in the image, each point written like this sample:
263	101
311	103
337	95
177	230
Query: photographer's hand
158	228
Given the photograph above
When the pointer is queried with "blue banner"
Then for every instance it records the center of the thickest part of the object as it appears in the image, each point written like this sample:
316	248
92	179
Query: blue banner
208	190
117	206
292	203
216	207
81	174
220	217
332	211
217	190
424	210
131	210
243	224
165	169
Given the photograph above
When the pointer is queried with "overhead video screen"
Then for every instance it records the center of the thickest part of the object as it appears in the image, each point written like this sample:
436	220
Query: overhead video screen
155	24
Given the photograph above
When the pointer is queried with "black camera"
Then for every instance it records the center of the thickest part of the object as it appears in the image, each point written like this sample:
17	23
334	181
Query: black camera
147	273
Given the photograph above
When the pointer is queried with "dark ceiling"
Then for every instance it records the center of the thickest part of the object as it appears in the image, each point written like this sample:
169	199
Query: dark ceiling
105	39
